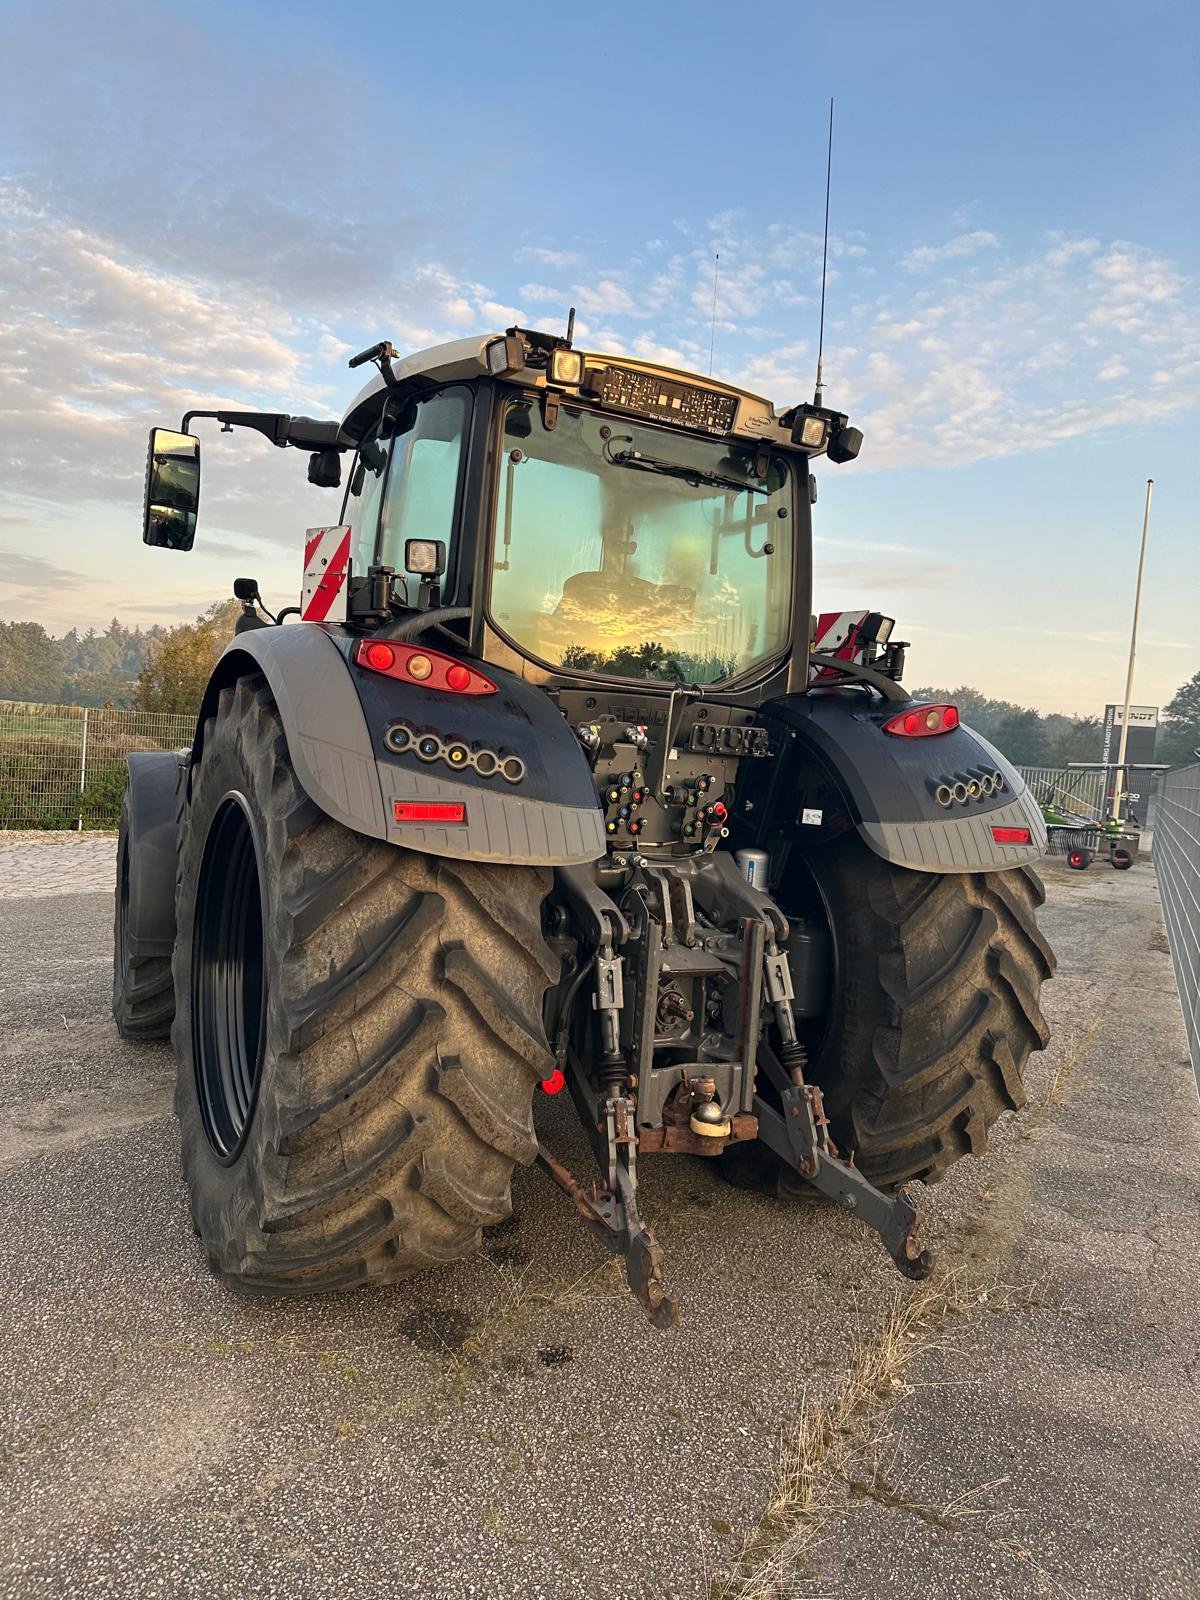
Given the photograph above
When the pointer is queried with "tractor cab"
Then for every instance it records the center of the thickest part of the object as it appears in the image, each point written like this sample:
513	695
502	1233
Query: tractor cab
585	518
600	520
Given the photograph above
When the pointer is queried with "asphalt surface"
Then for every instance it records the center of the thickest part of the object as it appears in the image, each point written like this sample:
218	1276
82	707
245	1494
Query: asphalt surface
511	1426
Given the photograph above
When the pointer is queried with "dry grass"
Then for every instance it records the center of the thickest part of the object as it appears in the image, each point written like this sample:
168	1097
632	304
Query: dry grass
836	1447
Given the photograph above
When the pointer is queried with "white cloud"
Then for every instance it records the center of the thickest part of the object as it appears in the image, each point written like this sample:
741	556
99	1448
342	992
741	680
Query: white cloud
540	294
559	260
965	244
604	298
96	344
497	315
1067	251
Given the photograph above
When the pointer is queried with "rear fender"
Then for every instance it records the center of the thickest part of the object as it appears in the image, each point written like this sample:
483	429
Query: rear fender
151	800
335	716
835	769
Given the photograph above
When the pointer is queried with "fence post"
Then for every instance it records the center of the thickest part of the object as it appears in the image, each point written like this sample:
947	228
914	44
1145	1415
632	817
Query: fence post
82	769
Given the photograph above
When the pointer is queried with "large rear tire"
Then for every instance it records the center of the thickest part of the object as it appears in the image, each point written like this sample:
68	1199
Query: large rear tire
934	1010
359	1029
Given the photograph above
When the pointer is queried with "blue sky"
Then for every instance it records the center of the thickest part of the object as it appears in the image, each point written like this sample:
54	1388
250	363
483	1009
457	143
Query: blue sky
217	205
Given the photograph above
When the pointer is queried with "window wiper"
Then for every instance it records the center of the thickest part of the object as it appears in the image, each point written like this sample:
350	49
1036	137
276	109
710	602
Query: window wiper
696	476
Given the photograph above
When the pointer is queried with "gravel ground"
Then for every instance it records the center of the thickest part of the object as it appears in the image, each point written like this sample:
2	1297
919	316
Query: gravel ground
511	1426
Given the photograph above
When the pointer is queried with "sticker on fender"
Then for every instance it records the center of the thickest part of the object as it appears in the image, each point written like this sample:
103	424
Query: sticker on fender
811	819
326	568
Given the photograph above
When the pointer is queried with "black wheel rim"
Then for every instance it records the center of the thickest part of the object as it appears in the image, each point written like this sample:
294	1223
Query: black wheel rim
228	979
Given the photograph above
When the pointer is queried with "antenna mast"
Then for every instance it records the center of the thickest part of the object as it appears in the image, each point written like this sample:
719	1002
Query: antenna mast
712	337
820	385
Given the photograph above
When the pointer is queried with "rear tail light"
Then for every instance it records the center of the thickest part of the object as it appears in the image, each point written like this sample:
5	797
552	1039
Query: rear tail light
1011	835
921	721
411	664
430	811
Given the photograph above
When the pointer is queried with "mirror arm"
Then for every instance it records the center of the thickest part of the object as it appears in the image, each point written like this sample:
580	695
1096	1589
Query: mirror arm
305	433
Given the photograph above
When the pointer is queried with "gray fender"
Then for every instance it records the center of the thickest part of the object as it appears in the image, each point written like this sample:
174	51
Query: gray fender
151	851
843	769
343	771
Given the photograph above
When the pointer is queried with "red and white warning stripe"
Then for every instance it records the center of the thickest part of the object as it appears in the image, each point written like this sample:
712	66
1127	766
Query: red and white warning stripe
836	634
326	568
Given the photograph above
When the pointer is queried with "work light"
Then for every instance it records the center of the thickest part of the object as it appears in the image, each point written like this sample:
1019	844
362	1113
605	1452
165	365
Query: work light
505	354
425	558
566	367
813	431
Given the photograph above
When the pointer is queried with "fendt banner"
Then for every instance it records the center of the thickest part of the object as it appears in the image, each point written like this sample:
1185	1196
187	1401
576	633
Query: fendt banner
1143	730
1139	748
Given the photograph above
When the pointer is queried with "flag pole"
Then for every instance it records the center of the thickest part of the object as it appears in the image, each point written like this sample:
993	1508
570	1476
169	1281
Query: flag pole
1120	785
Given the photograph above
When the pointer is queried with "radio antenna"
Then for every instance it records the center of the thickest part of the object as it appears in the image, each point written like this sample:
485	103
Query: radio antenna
570	326
820	385
712	337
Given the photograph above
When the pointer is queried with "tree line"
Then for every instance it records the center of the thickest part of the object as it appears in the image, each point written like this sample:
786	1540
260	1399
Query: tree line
82	669
165	669
1030	739
147	669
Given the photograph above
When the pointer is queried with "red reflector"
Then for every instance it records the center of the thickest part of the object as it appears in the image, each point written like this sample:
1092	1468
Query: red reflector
553	1083
923	721
380	657
457	678
430	811
1011	835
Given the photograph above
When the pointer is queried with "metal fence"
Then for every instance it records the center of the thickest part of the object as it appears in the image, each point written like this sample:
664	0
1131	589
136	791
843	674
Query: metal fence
1066	788
64	766
1177	863
1072	789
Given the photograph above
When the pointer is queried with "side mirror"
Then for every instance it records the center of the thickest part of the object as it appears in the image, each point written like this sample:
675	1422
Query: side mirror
172	490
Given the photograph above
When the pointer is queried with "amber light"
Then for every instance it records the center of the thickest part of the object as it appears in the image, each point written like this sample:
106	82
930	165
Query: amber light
432	670
430	811
1011	835
922	721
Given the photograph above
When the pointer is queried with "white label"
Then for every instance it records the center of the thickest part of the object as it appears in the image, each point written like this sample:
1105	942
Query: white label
811	819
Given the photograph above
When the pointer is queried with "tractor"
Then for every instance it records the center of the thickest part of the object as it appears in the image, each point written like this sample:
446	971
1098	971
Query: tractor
553	782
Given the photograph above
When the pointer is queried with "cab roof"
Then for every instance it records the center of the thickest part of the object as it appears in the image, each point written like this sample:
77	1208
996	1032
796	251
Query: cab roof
753	417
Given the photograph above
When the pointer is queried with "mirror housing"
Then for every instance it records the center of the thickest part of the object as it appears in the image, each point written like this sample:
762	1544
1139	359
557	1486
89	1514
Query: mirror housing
325	469
172	498
845	445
